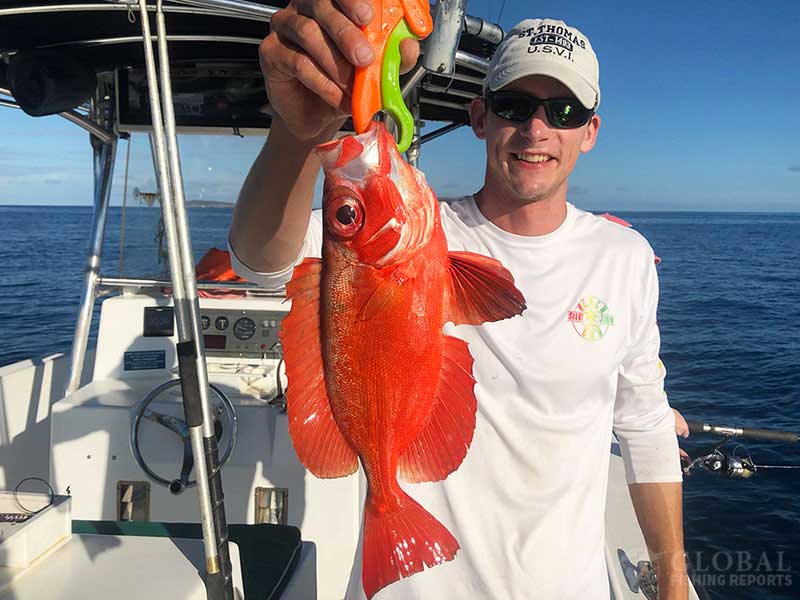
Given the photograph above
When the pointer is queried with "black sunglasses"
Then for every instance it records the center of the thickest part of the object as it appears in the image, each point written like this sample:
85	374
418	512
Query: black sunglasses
518	107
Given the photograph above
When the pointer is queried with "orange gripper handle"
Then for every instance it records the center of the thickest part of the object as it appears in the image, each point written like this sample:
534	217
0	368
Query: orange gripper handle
367	83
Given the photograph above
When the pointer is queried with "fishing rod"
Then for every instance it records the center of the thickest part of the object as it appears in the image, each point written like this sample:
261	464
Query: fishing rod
190	348
729	463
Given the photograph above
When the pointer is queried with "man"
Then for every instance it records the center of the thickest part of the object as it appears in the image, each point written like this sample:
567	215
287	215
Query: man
527	505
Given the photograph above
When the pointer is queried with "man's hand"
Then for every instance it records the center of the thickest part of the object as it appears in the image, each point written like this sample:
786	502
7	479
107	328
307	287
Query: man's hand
682	429
681	426
308	61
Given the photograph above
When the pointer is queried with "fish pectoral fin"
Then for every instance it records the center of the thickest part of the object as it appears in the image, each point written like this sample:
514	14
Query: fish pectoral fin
480	290
382	295
316	437
442	444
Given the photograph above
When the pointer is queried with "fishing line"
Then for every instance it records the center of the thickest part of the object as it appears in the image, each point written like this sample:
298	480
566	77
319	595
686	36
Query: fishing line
124	207
500	14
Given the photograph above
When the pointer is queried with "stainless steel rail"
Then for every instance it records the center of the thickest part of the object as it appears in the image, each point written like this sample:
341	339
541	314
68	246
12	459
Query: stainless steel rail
443	103
440	47
239	6
484	30
475	26
131	39
73	116
461	77
90	126
104	155
440	132
476	63
143	283
412	82
234	9
443	89
119	6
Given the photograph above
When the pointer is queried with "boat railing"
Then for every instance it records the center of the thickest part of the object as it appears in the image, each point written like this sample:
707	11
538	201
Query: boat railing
109	284
71	115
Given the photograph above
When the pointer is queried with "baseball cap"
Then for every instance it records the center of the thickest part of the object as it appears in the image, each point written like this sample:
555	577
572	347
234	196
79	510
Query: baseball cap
547	47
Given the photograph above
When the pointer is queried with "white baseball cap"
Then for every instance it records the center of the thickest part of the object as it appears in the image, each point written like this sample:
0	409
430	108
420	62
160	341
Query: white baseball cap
547	47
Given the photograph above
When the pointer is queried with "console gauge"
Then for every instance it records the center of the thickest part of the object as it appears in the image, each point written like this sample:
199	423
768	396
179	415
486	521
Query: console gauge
244	328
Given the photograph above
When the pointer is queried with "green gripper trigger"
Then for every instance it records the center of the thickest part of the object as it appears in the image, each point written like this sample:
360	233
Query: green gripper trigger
391	94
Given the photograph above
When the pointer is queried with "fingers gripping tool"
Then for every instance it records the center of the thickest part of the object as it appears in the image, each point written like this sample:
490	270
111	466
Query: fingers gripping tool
377	86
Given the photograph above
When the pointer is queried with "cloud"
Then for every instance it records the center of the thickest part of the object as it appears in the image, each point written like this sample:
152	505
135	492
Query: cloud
450	187
36	178
578	190
794	168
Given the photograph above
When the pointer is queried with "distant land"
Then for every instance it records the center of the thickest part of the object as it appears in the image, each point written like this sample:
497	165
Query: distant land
208	204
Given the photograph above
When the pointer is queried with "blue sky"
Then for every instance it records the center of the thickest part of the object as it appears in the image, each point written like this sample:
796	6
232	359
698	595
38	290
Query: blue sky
698	114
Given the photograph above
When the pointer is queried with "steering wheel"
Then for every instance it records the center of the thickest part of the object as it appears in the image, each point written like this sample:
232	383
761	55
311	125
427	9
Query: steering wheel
181	429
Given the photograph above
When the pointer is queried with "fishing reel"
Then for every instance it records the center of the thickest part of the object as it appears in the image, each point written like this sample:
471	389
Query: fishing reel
719	462
730	464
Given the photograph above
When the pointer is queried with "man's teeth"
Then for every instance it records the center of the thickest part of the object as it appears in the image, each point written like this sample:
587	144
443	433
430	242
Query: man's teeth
532	158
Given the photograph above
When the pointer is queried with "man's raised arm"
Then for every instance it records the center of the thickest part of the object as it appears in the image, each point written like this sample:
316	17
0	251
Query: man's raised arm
308	61
271	215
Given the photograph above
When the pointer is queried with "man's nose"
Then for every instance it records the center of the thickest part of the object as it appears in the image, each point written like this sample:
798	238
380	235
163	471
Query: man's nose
537	127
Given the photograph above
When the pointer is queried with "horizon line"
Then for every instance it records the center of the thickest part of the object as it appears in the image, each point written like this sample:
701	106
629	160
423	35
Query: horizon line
624	210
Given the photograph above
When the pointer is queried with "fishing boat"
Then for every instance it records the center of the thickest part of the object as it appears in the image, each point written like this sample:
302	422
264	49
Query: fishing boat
134	436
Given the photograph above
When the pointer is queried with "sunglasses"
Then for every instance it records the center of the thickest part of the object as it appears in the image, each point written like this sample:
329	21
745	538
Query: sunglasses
518	107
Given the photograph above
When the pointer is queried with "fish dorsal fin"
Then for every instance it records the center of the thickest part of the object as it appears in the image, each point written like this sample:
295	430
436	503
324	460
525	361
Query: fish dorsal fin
443	442
480	290
319	443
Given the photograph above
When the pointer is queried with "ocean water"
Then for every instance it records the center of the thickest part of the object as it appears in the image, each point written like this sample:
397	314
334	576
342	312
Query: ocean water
730	326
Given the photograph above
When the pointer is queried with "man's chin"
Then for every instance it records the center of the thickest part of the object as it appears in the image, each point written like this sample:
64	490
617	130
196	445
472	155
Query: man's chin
524	197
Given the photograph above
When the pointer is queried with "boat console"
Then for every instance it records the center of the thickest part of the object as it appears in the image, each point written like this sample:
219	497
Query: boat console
119	445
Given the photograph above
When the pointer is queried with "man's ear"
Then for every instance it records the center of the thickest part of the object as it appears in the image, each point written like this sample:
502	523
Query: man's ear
477	117
591	134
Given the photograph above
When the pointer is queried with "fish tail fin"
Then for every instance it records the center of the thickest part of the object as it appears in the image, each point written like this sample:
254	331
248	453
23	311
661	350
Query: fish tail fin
400	542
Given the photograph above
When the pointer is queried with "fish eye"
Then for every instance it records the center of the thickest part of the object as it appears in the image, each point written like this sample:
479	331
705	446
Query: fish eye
344	215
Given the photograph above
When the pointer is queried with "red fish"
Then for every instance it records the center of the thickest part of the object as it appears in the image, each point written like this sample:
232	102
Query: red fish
371	374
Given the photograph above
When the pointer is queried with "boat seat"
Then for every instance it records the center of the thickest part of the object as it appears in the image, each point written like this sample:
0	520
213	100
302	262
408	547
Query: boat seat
268	553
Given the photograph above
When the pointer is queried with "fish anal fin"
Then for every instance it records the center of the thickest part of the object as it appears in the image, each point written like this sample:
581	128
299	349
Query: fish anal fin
442	444
319	443
480	290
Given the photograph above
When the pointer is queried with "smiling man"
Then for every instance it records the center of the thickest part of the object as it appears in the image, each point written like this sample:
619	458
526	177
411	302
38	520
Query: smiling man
527	504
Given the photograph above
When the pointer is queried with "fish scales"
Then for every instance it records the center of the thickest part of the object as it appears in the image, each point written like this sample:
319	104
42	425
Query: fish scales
372	377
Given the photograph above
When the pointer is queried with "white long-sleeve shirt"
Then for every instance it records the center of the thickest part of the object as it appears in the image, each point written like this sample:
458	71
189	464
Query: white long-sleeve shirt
527	504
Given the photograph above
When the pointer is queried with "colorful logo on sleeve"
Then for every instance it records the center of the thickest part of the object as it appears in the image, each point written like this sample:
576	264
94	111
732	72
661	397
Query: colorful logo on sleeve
591	318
